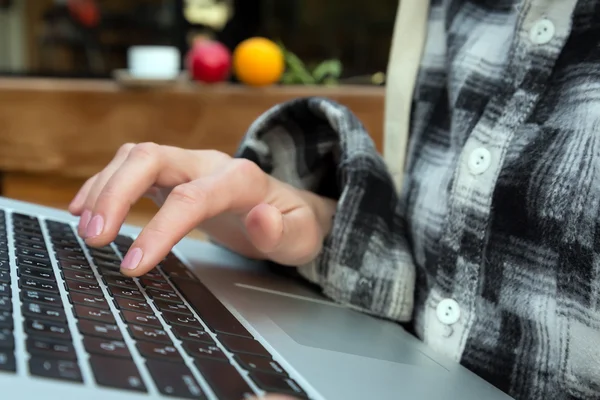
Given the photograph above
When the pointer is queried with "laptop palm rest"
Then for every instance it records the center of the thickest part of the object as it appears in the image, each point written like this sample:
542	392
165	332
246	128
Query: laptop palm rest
330	327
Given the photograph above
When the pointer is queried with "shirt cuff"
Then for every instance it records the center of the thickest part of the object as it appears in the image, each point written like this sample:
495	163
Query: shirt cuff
319	145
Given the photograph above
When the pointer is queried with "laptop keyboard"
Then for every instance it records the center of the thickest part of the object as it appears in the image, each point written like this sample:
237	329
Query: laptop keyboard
167	318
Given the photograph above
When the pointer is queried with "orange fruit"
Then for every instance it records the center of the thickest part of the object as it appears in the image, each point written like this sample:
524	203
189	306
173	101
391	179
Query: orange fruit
258	62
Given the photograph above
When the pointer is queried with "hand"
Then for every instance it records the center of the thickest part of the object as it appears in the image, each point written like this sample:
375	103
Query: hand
232	200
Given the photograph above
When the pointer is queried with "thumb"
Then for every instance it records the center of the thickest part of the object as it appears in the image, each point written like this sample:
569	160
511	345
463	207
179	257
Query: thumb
290	238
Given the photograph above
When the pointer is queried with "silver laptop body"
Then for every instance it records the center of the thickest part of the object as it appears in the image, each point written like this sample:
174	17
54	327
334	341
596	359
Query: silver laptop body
71	327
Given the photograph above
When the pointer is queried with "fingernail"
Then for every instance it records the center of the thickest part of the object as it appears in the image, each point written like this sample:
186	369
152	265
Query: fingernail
132	258
84	220
95	226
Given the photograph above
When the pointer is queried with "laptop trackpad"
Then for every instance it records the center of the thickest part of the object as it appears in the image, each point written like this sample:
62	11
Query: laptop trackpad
327	326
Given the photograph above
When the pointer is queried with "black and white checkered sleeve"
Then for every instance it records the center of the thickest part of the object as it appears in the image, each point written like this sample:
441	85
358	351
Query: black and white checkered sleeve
318	145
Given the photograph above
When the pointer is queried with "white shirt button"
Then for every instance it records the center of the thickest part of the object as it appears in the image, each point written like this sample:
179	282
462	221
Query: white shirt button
479	160
542	31
448	311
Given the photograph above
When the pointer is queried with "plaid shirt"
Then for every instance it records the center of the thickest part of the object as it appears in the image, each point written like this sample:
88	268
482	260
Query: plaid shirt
491	252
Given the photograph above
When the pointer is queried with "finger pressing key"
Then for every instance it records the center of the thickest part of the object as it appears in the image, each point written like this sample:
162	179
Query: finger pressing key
147	165
239	187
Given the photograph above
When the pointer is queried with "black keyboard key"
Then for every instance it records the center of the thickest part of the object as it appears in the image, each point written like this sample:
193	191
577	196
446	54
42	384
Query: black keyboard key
6	319
4	289
65	232
105	266
53	368
80	276
37	296
5	303
7	341
30	238
64	240
185	333
95	314
172	307
7	361
68	248
110	272
165	296
23	217
200	349
123	240
134	294
31	233
256	363
31	253
100	251
74	265
4	265
117	373
70	256
277	384
147	333
45	347
162	286
155	275
181	274
120	281
4	255
57	225
224	379
88	299
38	273
165	352
174	380
175	268
37	284
34	262
31	225
4	276
99	329
82	287
106	347
210	309
180	319
105	257
31	245
46	329
133	305
41	311
238	344
133	317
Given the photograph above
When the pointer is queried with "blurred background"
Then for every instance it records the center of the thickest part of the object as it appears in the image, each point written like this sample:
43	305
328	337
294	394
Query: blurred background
89	38
64	111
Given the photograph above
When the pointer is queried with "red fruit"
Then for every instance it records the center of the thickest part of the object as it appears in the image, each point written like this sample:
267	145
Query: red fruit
209	61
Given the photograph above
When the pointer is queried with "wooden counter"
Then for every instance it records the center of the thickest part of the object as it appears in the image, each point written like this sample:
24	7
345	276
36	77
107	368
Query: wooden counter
73	128
56	133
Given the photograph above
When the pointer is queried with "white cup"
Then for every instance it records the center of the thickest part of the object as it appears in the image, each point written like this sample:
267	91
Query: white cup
154	62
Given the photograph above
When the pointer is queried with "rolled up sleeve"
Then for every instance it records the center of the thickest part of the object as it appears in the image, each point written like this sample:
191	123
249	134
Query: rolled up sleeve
319	145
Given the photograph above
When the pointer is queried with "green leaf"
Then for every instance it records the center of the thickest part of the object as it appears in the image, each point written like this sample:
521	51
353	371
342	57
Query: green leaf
327	69
298	68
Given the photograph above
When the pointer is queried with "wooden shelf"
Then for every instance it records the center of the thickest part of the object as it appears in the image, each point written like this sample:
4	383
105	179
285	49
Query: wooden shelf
73	127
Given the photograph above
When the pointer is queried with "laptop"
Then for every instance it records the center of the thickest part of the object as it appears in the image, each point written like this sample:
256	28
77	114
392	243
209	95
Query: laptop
204	324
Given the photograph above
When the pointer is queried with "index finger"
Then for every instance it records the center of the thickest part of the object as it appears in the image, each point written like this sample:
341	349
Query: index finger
240	186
